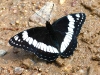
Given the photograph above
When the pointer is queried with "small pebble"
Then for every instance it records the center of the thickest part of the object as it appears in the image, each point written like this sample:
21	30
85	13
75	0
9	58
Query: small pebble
18	70
17	22
12	23
1	69
96	57
1	42
99	63
61	1
73	3
2	52
60	62
27	63
68	68
43	15
81	71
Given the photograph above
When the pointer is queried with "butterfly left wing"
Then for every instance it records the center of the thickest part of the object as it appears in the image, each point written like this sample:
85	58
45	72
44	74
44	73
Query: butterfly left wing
36	40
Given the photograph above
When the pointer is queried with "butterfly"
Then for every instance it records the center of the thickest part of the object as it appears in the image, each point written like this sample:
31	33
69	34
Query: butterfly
58	39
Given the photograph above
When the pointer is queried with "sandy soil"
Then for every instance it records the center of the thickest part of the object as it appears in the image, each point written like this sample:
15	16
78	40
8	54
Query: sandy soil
14	17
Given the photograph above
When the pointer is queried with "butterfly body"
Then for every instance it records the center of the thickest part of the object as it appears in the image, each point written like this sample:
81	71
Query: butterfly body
53	36
58	39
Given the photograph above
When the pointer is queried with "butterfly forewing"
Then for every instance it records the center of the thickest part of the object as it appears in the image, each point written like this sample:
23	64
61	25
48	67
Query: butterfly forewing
79	20
72	21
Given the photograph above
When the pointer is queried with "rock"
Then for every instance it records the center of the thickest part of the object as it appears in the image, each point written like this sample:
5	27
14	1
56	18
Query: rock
27	63
60	62
1	42
12	23
32	23
96	57
73	3
93	8
68	68
44	14
36	73
99	63
81	71
2	52
18	70
1	70
61	1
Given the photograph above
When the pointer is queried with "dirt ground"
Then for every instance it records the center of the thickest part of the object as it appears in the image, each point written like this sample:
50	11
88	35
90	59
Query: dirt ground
14	17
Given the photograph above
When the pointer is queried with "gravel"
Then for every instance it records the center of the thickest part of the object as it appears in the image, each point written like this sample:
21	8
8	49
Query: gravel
3	52
18	70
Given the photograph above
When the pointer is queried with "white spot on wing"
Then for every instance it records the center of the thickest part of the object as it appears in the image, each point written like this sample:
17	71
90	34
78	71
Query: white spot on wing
50	49
39	46
24	35
18	40
63	47
69	35
70	18
34	43
70	30
45	47
27	39
55	50
71	24
30	41
16	37
66	39
42	46
77	15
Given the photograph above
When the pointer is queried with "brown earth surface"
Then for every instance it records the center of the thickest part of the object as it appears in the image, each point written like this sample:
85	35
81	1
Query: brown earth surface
14	17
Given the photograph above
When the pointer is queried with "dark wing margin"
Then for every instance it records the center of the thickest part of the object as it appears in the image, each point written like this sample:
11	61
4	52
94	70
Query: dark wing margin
36	40
70	49
79	21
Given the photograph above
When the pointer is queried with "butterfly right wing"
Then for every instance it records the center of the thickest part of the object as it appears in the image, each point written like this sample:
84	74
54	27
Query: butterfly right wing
69	27
36	40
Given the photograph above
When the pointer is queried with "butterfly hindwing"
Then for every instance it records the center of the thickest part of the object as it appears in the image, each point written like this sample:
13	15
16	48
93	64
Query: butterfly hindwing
70	49
48	56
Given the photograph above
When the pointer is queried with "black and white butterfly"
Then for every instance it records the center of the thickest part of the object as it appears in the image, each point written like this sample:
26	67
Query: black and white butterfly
58	39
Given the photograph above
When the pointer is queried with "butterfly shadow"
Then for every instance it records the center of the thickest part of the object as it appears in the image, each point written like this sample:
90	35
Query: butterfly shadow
18	55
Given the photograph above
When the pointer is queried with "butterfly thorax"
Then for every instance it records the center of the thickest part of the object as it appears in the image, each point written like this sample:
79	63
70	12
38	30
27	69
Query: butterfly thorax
53	36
